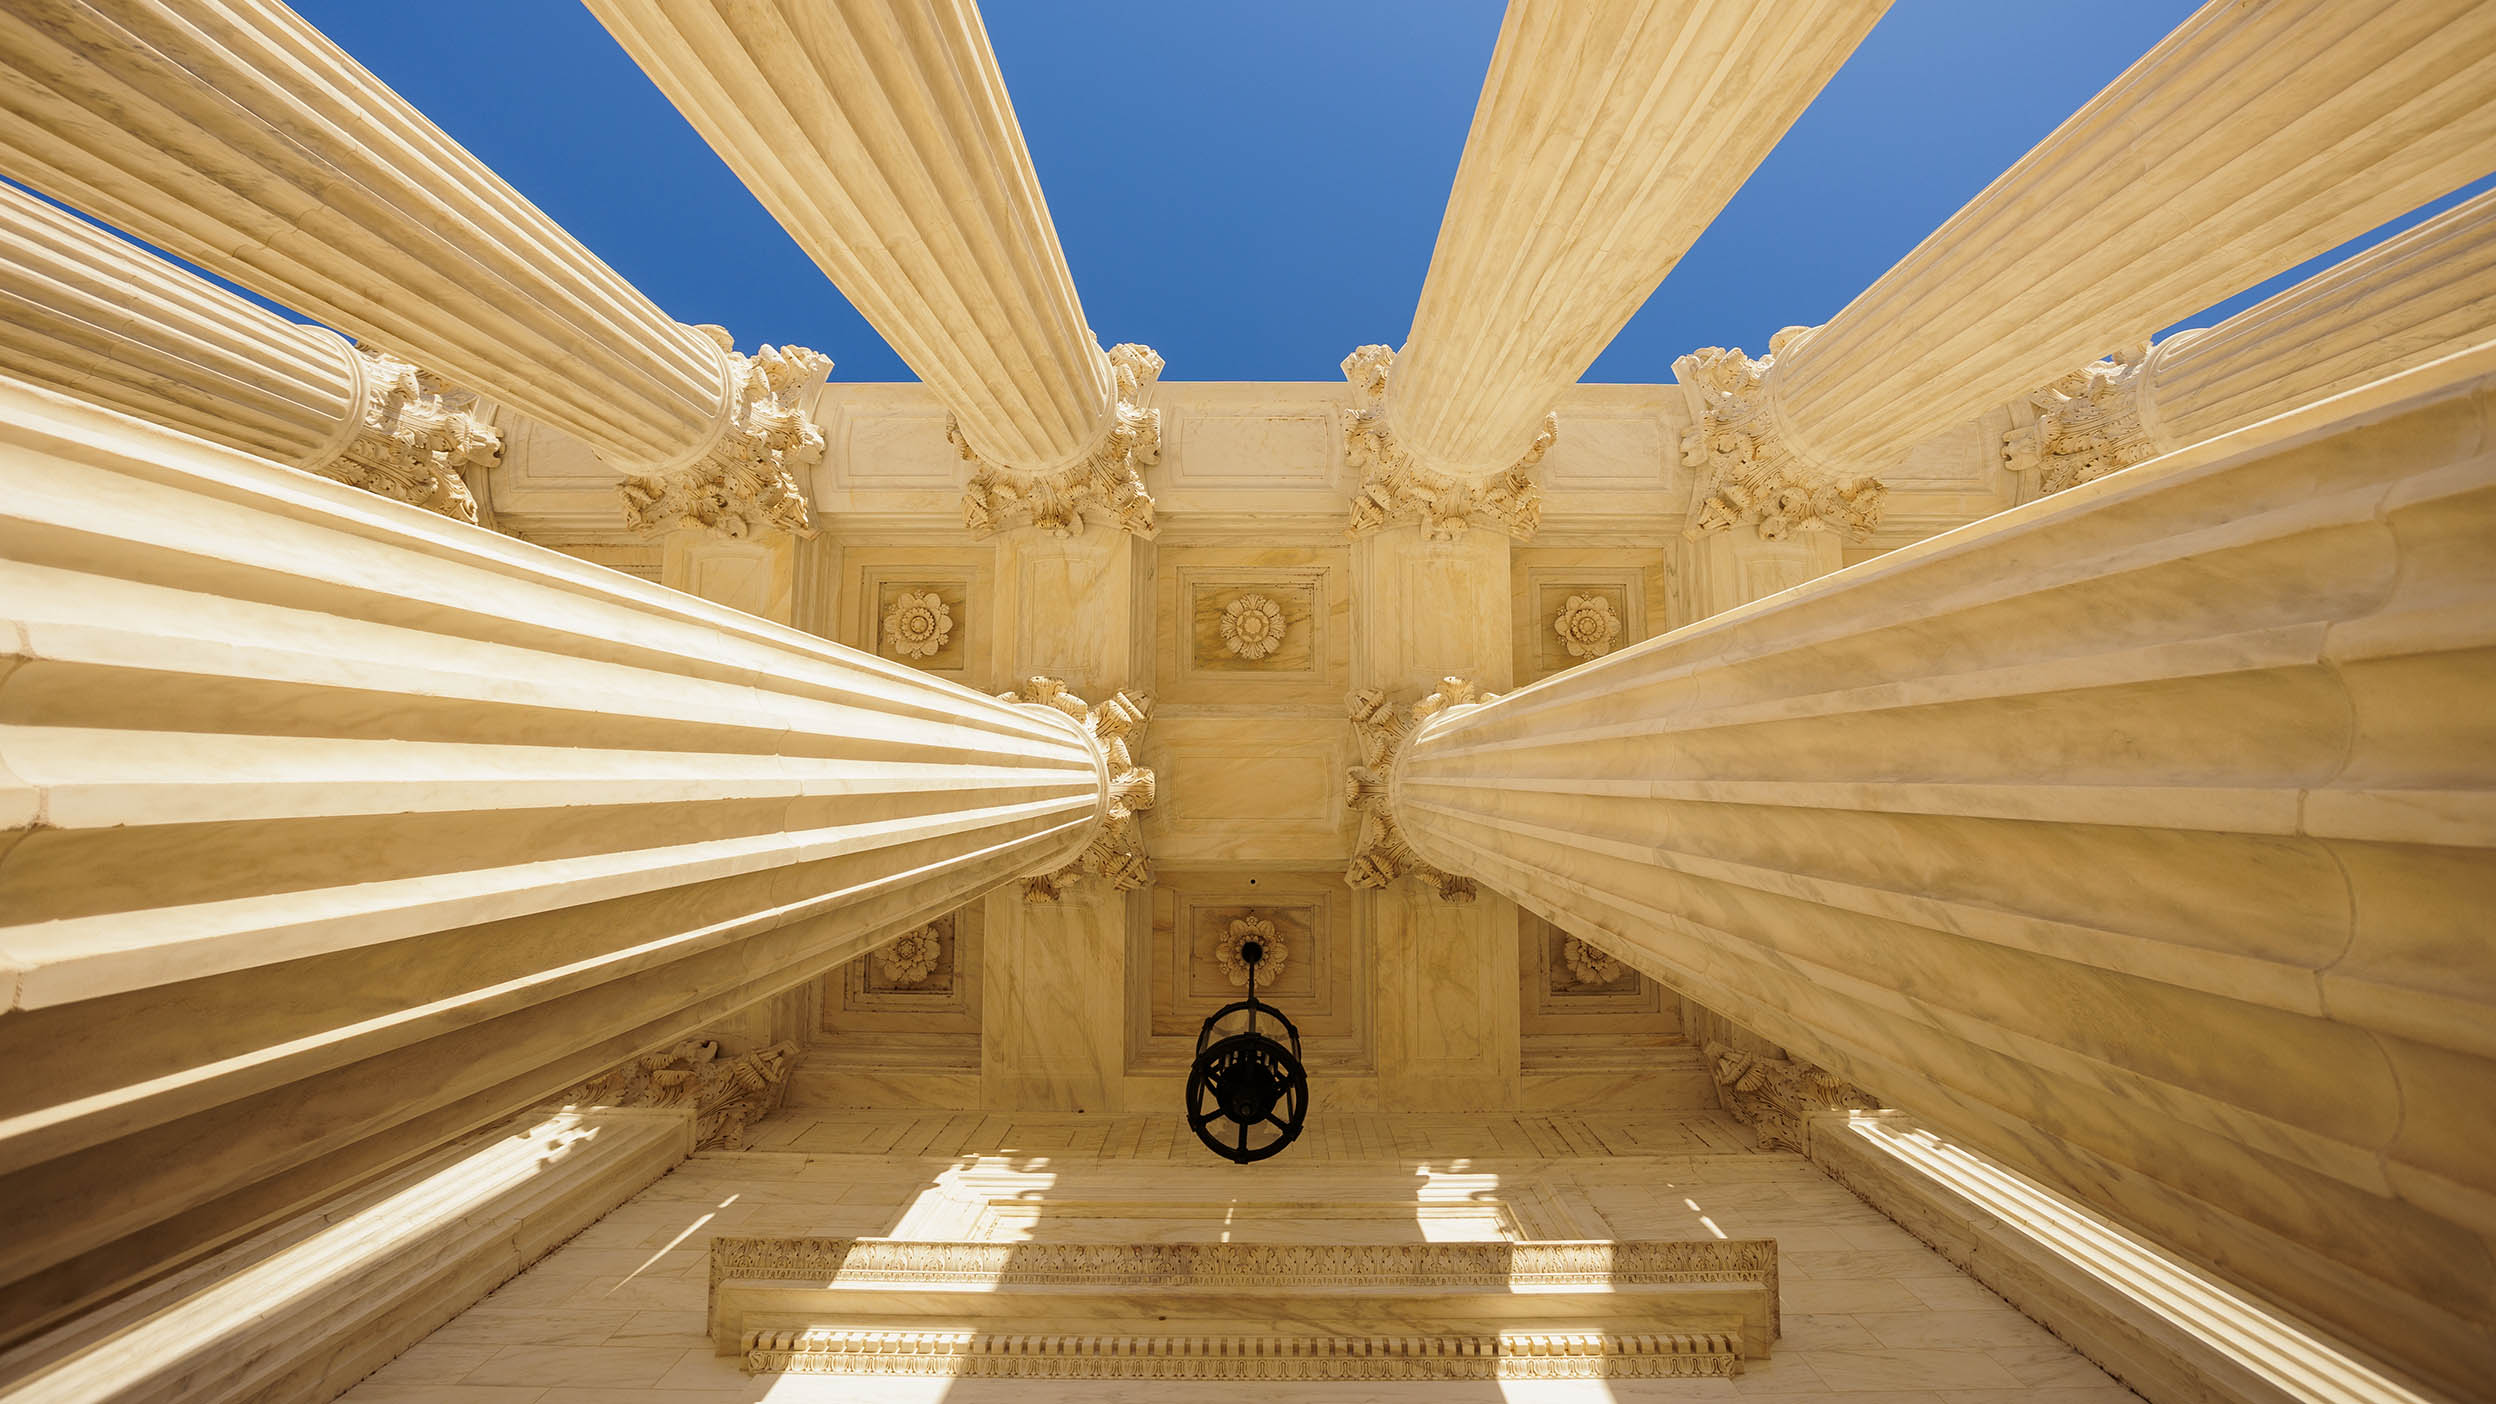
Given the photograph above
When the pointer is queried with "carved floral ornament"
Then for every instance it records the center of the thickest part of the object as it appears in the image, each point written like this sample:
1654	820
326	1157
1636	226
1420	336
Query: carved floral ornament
1776	1097
1589	965
749	478
1104	484
917	624
727	1093
1115	854
1587	626
1252	626
412	436
2097	420
1747	475
1255	928
1381	855
1396	487
911	957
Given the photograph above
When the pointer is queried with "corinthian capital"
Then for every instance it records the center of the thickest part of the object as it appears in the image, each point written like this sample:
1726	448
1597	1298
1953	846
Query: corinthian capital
1397	487
1381	729
1776	1097
1116	853
411	436
1749	472
1105	483
750	477
2089	423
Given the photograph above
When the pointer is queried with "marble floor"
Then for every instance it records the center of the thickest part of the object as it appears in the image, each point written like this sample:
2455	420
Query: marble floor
615	1316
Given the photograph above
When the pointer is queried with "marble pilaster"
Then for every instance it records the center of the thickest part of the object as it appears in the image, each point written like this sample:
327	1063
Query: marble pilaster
333	832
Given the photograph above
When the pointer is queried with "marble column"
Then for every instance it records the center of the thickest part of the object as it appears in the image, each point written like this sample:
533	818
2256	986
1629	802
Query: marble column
329	831
2139	839
235	136
2251	139
1607	139
89	315
880	135
2423	294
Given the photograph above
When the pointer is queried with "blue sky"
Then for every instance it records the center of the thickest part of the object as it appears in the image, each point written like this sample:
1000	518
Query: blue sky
1254	188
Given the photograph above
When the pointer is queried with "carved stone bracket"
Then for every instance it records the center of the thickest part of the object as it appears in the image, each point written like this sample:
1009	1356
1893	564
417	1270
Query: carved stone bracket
1381	855
416	434
1106	484
727	1094
1775	1097
752	476
2089	423
1116	853
1396	487
1747	474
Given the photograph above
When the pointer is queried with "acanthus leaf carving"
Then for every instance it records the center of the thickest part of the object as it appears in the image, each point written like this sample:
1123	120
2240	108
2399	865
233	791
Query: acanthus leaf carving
1396	487
2089	423
750	478
416	434
1776	1097
1381	855
1746	472
1115	855
1105	484
727	1094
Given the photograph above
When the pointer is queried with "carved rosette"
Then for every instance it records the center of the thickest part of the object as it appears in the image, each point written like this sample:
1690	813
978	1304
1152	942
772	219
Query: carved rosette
416	436
1776	1097
751	478
1252	627
1381	855
1105	485
727	1094
1589	965
911	957
1587	626
2089	423
1116	853
1244	930
917	625
1747	475
1396	487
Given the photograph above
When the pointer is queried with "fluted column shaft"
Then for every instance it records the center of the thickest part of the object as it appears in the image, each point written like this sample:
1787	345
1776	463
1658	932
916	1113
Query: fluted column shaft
1607	139
880	135
329	830
235	136
2139	837
2251	139
95	317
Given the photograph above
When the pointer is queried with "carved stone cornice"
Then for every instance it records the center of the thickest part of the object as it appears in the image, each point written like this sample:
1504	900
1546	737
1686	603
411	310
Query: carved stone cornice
411	437
1116	853
727	1094
2097	420
1105	483
1749	473
750	477
1775	1097
1381	855
1396	487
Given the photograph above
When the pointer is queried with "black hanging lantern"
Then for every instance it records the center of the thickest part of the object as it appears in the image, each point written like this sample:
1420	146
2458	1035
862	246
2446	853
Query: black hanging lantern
1247	1094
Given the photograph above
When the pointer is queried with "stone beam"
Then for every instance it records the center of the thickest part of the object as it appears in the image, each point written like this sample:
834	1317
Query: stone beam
2251	139
93	316
881	136
2419	296
329	831
1607	138
2137	837
235	136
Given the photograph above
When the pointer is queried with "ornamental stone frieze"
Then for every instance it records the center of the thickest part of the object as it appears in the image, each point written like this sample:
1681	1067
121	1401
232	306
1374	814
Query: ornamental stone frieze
1381	855
1748	473
750	477
1397	487
2090	423
1775	1097
412	437
727	1094
1105	483
1115	855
